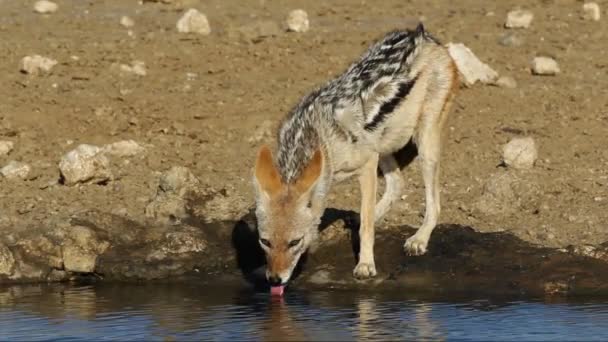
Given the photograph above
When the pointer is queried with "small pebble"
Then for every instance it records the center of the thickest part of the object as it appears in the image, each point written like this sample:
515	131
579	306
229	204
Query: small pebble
136	68
15	170
127	22
591	11
45	7
6	147
297	21
519	19
193	21
545	66
520	153
36	64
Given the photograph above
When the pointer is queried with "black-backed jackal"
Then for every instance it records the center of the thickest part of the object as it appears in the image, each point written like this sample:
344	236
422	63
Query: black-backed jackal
400	89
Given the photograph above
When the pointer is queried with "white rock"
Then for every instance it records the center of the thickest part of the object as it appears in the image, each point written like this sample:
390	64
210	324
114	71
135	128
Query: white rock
6	147
127	21
45	6
193	21
591	11
520	153
36	64
85	164
15	170
469	66
519	19
297	21
545	66
506	82
125	148
136	68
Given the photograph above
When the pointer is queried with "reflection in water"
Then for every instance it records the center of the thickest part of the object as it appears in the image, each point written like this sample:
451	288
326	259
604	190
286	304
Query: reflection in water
182	312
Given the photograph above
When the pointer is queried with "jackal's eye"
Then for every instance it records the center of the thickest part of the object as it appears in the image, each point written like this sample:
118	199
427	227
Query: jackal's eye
265	243
295	242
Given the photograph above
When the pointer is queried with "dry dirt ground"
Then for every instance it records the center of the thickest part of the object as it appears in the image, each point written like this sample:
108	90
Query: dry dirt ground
209	102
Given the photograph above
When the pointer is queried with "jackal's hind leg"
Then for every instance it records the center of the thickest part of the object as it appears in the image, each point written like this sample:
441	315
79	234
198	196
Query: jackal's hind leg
393	185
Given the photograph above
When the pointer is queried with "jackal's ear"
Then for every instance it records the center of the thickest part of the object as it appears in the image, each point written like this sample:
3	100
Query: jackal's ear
266	174
310	174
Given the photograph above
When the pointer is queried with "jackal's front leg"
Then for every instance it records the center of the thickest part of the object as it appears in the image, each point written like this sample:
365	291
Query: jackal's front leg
367	180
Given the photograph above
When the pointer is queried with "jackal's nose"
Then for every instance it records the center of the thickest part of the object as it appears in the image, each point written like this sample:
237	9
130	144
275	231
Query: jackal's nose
275	280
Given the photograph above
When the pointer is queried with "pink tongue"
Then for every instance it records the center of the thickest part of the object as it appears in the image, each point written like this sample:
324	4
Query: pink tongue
277	290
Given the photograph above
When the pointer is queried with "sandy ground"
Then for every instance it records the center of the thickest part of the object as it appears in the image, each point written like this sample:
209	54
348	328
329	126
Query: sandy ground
209	102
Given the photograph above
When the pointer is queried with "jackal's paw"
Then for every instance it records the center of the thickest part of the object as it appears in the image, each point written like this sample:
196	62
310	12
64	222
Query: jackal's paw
415	245
364	270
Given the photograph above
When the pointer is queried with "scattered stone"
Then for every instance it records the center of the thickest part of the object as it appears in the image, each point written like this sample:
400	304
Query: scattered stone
520	153
36	64
519	19
510	39
127	21
45	7
7	261
136	68
85	164
15	170
297	21
125	148
545	66
506	82
6	147
591	11
81	250
178	180
469	66
193	21
169	204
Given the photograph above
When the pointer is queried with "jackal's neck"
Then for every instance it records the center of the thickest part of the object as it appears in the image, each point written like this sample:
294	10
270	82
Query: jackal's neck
299	138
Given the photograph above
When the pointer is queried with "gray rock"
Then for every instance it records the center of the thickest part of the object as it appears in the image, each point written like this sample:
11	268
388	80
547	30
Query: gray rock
6	147
297	21
36	64
193	21
520	153
545	66
7	261
81	250
15	170
85	164
45	7
469	66
519	19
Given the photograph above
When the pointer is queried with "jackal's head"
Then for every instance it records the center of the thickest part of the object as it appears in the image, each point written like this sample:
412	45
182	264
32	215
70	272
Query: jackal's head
287	215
